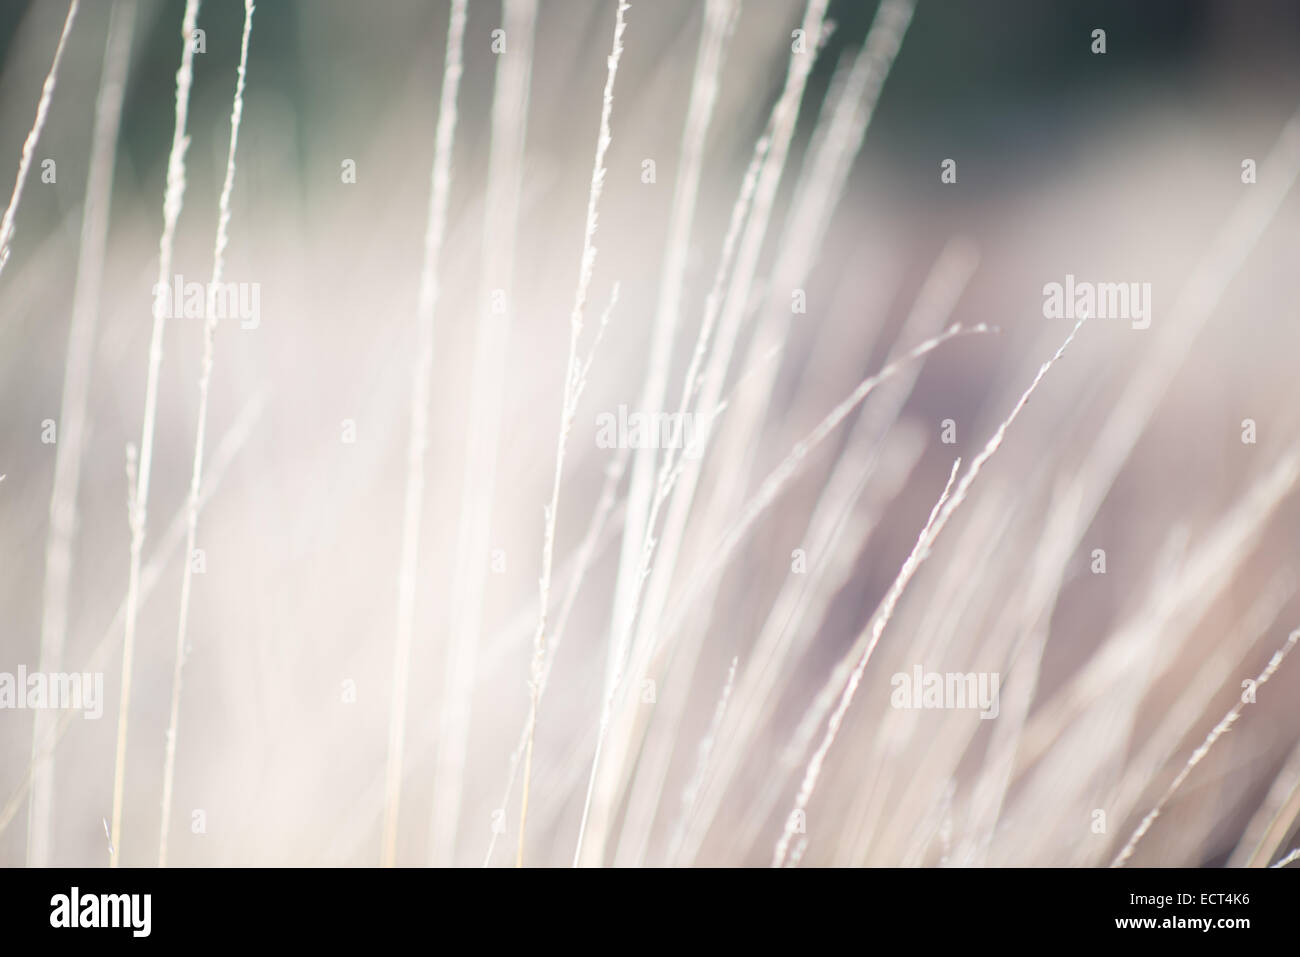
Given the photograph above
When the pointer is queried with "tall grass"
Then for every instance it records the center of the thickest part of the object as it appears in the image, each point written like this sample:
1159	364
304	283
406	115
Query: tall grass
1199	754
417	442
719	22
491	340
8	221
602	781
848	674
1267	828
72	415
574	381
163	556
836	141
200	436
173	199
707	643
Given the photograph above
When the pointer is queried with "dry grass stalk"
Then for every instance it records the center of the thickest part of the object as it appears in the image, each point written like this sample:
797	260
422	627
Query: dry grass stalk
1201	751
200	437
573	381
173	199
505	166
847	675
417	441
72	415
7	221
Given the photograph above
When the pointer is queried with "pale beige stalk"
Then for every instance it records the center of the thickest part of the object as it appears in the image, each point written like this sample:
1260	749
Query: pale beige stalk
196	473
491	339
418	438
173	199
790	627
568	408
604	783
168	544
719	21
7	222
847	673
1201	751
72	414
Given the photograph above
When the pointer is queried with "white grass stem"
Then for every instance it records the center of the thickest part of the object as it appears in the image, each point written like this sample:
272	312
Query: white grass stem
505	166
7	222
691	793
604	783
719	20
173	199
200	436
847	674
418	438
791	623
572	386
1292	856
72	415
164	551
1220	729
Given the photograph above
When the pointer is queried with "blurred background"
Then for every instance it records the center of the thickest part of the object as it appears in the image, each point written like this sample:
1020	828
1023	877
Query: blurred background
1122	166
